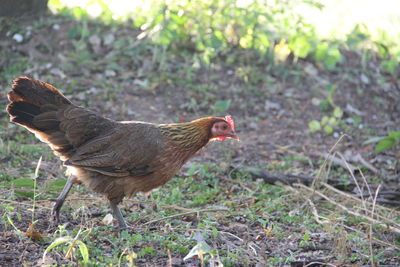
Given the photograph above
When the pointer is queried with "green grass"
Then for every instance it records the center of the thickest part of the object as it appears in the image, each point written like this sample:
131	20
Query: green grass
266	206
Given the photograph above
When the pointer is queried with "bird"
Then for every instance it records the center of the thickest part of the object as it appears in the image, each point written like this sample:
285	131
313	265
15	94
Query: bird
115	158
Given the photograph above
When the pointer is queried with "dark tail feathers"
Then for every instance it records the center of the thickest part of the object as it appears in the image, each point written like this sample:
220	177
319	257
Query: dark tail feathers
38	106
32	99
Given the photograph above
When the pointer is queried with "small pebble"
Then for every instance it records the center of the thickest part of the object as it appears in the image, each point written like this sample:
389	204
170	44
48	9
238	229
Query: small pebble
18	37
110	73
349	120
315	101
94	40
109	39
364	78
271	105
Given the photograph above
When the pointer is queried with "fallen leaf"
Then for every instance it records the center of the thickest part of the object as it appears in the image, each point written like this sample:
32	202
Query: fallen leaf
200	249
108	219
32	233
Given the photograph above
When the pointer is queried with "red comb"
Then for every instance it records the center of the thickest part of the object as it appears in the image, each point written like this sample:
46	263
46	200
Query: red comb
229	120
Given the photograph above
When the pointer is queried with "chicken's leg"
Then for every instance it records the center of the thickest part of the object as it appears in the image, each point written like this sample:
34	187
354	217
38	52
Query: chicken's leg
118	214
59	201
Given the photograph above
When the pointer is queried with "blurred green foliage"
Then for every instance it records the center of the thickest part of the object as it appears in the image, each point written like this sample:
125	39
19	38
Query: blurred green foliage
213	28
385	142
327	123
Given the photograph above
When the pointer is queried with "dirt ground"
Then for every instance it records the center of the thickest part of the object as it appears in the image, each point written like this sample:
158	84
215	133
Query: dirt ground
271	107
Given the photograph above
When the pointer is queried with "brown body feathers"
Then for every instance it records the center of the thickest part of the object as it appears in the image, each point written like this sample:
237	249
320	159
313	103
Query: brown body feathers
114	158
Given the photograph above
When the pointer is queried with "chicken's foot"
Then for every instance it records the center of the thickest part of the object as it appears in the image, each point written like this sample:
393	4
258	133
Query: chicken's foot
59	201
117	213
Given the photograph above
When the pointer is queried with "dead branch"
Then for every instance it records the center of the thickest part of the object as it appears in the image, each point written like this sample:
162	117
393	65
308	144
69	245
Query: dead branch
344	208
273	178
183	214
385	197
338	161
353	197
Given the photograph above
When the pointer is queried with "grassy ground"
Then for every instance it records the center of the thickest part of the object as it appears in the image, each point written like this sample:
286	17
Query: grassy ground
216	203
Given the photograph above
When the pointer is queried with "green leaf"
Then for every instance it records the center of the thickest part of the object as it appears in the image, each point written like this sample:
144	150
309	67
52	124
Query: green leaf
384	144
306	236
324	105
146	251
324	120
84	251
338	112
333	121
374	140
199	250
328	55
221	106
57	185
314	126
215	42
262	42
214	231
28	194
19	232
300	47
246	41
57	242
333	57
328	129
395	135
390	65
321	51
23	182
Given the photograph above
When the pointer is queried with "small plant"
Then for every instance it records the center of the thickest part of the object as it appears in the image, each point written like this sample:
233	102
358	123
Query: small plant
7	220
328	103
147	251
200	249
391	64
31	232
384	142
327	123
300	46
328	54
72	243
221	106
130	257
305	241
36	175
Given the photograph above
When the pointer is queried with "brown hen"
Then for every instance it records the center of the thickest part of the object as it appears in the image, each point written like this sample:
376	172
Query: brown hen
117	159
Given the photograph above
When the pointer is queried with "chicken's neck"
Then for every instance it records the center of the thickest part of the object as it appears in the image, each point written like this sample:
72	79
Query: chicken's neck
190	136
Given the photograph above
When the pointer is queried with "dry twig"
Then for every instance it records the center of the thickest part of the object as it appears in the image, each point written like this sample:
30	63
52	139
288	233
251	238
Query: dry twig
371	251
344	208
338	161
183	214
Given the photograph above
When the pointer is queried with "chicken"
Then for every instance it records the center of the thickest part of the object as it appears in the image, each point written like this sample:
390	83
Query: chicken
115	158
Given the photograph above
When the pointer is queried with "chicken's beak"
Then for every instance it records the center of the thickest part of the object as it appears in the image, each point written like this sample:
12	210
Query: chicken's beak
234	136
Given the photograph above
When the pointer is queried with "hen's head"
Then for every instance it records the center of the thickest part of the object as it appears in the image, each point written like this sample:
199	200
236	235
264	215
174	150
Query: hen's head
222	129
